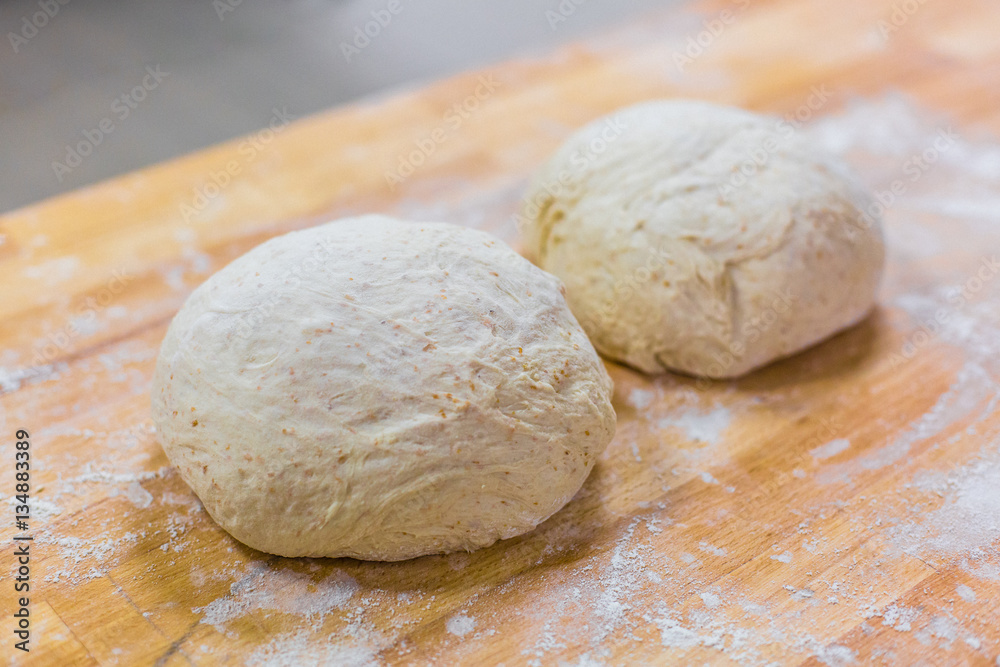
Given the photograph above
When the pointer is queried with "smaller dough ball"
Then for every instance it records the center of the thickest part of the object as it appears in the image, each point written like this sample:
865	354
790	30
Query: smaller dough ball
381	390
703	239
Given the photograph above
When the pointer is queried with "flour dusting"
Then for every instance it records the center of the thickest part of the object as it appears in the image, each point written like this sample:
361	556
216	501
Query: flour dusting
706	427
280	590
42	510
305	649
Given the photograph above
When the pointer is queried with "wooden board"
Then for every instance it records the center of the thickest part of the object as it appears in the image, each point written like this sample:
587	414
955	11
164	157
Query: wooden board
840	507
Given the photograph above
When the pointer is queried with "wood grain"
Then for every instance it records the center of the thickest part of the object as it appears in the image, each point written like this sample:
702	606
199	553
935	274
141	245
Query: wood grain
721	526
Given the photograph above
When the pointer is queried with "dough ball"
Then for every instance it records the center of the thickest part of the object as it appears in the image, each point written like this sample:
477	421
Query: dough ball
380	390
703	239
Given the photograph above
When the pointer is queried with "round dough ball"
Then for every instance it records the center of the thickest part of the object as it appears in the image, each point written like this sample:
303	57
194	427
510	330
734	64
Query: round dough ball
380	390
703	239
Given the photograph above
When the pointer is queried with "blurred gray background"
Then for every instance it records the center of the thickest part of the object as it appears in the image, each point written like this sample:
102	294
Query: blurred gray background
80	73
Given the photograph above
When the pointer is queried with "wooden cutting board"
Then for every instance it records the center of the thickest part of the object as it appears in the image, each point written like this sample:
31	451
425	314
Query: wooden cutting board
840	507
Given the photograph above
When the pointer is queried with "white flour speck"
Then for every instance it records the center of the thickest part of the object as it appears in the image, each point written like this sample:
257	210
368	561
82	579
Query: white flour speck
965	593
711	600
460	625
640	399
585	660
674	635
53	271
700	426
836	655
139	496
899	618
712	549
831	448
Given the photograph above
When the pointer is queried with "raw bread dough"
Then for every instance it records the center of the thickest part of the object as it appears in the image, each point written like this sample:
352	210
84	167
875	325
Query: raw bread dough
703	239
381	390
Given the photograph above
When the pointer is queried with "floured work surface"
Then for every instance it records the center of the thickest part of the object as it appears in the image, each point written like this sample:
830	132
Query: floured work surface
839	507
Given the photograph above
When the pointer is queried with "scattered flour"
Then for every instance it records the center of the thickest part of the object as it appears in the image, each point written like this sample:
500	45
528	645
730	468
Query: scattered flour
973	395
585	660
606	598
623	576
280	590
836	655
899	618
41	510
85	559
966	523
305	649
674	635
12	379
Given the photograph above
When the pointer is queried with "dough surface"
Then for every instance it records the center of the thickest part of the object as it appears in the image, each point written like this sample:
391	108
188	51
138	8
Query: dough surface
703	239
381	390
